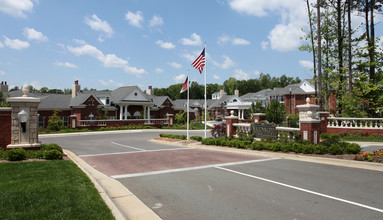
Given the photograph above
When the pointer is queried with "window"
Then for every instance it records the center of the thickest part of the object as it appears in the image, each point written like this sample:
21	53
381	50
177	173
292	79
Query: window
107	101
41	121
91	102
65	121
137	115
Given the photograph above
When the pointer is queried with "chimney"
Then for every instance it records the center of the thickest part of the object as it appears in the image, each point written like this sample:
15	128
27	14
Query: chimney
221	93
75	89
150	91
236	92
4	88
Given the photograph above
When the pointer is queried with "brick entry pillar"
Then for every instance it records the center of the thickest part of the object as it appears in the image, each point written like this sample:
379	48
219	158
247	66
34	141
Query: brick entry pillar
5	127
258	117
26	135
230	120
309	122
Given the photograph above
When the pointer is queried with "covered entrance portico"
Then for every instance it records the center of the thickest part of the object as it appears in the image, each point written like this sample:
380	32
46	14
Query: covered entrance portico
239	107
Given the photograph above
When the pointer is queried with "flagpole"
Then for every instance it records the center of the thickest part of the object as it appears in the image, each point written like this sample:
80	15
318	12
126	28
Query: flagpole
187	126
205	88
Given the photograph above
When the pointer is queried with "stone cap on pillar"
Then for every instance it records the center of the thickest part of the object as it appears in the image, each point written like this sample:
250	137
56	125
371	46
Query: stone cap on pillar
232	116
308	112
24	98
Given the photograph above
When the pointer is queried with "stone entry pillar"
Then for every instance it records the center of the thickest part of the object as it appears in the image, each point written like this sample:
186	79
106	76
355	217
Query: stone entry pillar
230	120
258	117
24	121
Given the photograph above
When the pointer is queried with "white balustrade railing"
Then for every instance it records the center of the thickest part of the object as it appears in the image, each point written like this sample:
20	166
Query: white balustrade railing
87	123
242	127
355	123
286	132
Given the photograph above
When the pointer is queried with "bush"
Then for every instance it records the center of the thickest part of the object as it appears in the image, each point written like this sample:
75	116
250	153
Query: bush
16	154
197	138
47	147
52	154
218	130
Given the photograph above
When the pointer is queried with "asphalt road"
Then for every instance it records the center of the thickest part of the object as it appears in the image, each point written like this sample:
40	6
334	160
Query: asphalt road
190	184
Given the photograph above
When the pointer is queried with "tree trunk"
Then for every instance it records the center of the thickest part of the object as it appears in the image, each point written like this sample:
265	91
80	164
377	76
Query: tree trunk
313	48
349	46
319	57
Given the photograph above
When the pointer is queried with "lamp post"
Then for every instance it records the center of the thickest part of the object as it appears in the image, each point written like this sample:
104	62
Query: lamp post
23	117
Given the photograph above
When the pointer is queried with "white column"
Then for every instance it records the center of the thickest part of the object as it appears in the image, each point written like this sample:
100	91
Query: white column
144	107
121	109
126	113
148	111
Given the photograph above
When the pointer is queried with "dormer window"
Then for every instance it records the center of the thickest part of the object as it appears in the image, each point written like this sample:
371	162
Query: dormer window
135	94
107	101
91	102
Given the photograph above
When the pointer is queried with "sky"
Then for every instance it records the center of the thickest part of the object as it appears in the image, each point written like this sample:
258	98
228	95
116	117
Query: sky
106	44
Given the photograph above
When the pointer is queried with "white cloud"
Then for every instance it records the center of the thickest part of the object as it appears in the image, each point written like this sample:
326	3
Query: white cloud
135	19
306	64
215	77
224	39
1	45
66	64
32	34
175	65
2	73
190	57
241	75
159	70
134	70
108	60
180	78
16	8
99	25
165	45
240	41
227	63
15	43
264	45
35	84
110	83
285	36
194	40
156	21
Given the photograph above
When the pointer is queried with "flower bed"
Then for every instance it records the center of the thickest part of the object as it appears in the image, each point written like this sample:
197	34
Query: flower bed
376	156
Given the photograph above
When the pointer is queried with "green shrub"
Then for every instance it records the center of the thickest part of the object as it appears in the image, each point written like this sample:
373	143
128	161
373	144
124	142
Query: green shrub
2	154
36	154
352	148
197	138
16	154
46	147
52	154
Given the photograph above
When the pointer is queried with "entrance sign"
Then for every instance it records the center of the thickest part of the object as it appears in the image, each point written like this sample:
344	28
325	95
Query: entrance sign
264	129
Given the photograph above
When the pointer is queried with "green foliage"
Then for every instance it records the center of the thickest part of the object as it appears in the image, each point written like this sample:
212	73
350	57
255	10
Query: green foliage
275	112
16	154
197	138
293	120
52	155
174	136
180	118
52	146
54	121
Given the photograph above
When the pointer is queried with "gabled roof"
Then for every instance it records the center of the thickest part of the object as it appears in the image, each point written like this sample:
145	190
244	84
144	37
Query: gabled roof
121	93
55	101
223	99
158	101
81	98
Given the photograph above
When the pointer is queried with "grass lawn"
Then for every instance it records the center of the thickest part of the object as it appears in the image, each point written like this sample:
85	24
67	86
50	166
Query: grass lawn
48	190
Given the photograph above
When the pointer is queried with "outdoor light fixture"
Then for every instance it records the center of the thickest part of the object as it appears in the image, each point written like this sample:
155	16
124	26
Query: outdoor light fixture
23	118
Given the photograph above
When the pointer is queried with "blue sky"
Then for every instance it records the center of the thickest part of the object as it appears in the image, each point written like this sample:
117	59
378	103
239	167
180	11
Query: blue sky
108	44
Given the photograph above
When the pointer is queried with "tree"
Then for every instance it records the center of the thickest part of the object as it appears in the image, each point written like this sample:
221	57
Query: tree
54	121
275	112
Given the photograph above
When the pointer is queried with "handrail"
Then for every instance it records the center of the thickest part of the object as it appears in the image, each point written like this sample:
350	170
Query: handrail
355	123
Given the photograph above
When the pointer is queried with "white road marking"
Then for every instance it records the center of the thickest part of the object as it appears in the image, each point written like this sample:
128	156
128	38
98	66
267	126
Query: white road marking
189	168
122	145
134	152
303	190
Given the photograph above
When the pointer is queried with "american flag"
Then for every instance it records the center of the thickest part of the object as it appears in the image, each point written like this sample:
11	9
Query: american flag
199	63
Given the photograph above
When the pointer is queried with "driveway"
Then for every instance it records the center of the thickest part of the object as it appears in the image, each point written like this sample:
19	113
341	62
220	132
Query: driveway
179	182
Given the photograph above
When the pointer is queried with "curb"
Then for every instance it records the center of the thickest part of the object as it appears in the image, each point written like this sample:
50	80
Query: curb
123	203
321	160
